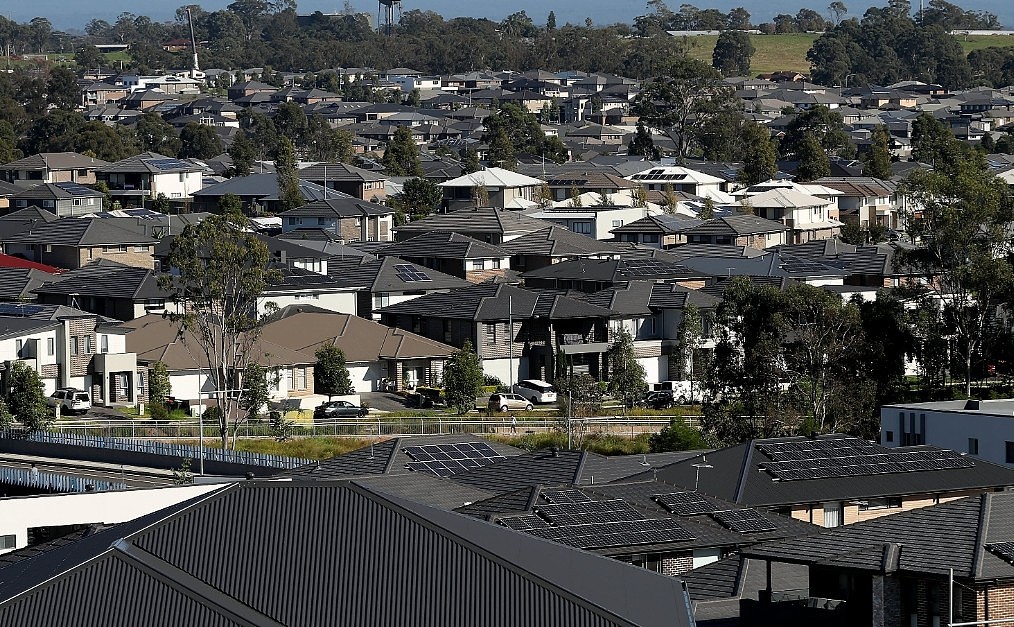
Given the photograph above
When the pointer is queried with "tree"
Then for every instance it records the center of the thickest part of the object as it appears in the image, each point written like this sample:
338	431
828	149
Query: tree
288	179
8	143
501	151
291	121
324	143
678	436
878	161
823	124
243	153
401	156
551	21
760	157
515	131
837	9
932	140
463	378
220	271
682	100
626	374
813	161
420	196
154	134
159	384
330	374
643	145
6	417
690	334
88	57
199	141
732	53
255	390
26	397
707	211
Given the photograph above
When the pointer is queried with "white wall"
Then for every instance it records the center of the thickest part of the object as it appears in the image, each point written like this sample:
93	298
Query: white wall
19	514
952	429
500	368
171	185
341	302
655	368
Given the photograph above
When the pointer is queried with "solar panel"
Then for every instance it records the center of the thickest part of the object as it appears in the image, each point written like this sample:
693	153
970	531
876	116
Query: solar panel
524	522
1003	550
684	503
565	496
167	164
590	512
410	274
744	520
78	190
17	309
444	460
851	457
604	535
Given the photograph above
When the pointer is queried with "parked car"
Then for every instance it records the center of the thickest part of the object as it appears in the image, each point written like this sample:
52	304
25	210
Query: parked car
658	400
684	392
425	398
338	409
70	401
535	390
509	402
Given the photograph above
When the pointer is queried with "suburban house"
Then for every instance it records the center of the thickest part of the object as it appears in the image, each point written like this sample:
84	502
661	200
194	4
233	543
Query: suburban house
52	167
155	561
516	332
349	218
74	242
563	184
593	275
149	175
348	179
108	288
982	429
807	217
256	191
595	221
71	348
378	357
681	179
63	199
739	230
867	201
504	189
454	254
656	231
948	564
306	287
835	480
387	280
553	245
486	224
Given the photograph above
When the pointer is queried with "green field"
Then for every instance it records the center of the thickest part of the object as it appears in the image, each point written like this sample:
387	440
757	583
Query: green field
788	52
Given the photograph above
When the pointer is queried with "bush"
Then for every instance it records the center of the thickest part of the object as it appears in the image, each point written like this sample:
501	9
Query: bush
158	411
678	436
491	381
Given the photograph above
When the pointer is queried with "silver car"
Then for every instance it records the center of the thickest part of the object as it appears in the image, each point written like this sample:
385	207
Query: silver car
509	402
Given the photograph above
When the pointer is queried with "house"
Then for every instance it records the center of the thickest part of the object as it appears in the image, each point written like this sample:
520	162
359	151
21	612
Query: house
516	332
486	224
154	560
453	254
595	221
299	286
739	230
149	175
867	201
52	167
807	217
656	231
947	564
377	356
249	88
108	288
63	199
73	242
682	179
102	93
387	281
256	191
982	429
594	275
348	179
347	217
504	190
18	282
553	245
835	479
71	348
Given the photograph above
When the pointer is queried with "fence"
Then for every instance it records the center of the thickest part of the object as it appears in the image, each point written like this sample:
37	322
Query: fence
130	431
114	435
53	482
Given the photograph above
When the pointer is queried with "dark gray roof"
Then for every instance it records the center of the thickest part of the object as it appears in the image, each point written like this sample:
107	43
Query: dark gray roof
666	224
18	283
645	297
421	487
57	191
382	275
150	163
29	214
344	207
14	326
338	172
737	476
487	220
614	270
771	264
107	279
930	540
496	301
444	244
55	161
79	232
321	551
557	241
737	225
263	187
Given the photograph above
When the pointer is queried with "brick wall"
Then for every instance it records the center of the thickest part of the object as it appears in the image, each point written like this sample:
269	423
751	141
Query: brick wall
80	364
478	276
994	602
138	259
674	565
348	230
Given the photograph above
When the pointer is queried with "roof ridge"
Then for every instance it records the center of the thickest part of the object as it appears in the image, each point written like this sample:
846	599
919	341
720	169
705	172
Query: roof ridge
985	502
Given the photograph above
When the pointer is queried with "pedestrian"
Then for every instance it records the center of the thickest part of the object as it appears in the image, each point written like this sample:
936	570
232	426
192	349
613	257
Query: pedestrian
514	424
35	473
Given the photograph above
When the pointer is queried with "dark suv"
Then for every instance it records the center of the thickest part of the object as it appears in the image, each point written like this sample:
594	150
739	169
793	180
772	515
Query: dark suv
338	409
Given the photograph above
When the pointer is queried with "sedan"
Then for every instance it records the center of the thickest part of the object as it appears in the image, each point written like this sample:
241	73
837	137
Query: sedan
338	409
509	402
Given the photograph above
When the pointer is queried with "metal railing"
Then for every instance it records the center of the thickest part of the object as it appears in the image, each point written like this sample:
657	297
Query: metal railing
53	482
114	435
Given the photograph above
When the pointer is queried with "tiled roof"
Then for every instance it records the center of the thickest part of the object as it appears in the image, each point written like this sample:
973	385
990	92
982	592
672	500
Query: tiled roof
557	241
485	220
335	207
107	279
737	225
444	244
79	232
496	301
383	275
55	161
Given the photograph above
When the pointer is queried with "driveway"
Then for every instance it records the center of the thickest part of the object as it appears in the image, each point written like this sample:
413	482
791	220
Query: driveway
383	401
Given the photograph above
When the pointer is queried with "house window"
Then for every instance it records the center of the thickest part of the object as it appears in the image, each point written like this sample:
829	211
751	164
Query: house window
122	381
293	221
891	502
1010	452
301	378
104	344
73	345
140	249
888	436
7	542
381	300
491	332
183	177
477	264
496	263
291	372
833	514
583	228
50	346
19	345
140	382
49	204
321	221
617	223
649	238
87	344
973	446
154	303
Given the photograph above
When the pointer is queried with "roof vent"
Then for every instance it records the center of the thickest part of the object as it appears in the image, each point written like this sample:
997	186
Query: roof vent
971	404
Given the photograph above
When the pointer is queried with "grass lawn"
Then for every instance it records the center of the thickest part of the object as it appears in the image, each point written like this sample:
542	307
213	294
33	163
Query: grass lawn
978	42
307	448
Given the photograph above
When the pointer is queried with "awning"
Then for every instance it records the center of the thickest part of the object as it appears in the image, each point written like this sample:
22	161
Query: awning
591	347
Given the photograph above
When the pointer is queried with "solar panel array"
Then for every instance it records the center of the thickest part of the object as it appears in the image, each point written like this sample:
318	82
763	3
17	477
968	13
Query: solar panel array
1003	550
17	309
565	496
650	268
524	522
851	457
567	514
76	189
685	503
167	164
652	176
445	460
604	535
410	274
744	520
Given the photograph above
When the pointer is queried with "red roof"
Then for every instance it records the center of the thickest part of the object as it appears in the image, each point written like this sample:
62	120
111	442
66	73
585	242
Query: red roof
10	261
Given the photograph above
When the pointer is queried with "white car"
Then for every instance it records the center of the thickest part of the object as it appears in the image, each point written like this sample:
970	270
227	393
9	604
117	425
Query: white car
70	401
683	392
535	390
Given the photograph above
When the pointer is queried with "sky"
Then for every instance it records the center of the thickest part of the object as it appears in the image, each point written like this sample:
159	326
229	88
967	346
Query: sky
74	14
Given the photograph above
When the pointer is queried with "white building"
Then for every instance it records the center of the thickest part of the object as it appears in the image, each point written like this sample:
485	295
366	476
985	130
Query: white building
984	429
